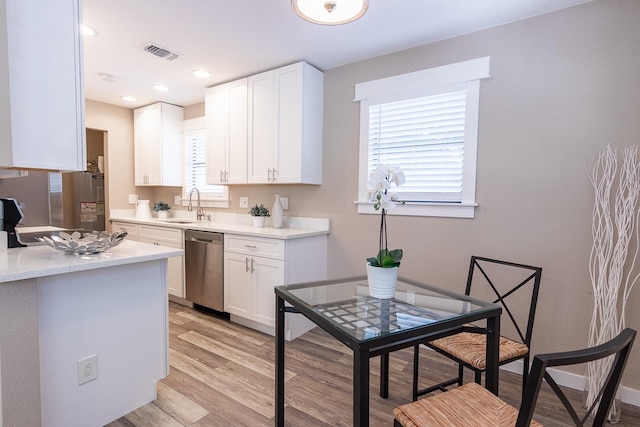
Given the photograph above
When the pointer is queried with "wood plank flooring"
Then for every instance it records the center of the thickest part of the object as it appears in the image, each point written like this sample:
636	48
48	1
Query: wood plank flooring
222	374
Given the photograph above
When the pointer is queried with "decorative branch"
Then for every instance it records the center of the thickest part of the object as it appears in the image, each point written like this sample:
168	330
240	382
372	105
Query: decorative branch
615	223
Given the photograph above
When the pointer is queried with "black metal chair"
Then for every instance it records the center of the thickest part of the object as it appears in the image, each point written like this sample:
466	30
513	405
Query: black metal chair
502	282
472	405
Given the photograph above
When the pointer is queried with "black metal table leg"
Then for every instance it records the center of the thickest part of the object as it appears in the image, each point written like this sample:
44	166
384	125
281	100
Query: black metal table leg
361	388
493	351
384	375
279	362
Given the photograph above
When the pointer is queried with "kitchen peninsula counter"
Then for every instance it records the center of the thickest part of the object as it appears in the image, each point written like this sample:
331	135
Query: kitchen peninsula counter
57	310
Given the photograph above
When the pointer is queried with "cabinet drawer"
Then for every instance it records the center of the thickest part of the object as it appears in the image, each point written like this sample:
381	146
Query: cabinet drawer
164	234
270	248
124	227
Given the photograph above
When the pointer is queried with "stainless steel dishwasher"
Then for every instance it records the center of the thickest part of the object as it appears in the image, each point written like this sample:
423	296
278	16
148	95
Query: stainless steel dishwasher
203	261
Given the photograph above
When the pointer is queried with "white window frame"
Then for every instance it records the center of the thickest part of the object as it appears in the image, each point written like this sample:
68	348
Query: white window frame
413	85
207	201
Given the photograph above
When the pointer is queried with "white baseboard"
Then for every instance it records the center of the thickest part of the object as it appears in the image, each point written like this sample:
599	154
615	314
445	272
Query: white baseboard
574	381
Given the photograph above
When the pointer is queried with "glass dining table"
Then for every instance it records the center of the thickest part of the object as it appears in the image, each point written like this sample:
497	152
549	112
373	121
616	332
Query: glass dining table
375	327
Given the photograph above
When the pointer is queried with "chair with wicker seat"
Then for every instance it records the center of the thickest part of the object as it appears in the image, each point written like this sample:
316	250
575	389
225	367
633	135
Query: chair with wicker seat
471	405
503	282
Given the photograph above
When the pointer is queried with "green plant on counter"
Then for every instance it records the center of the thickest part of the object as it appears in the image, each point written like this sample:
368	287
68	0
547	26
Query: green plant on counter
261	210
161	206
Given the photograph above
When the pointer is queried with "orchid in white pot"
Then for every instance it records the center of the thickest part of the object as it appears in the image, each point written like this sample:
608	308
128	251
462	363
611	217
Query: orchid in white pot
380	181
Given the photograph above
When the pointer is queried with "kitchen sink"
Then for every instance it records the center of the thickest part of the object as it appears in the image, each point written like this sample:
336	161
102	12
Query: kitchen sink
179	221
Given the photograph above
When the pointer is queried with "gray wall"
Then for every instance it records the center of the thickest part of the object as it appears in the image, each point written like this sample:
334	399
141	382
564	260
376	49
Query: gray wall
563	86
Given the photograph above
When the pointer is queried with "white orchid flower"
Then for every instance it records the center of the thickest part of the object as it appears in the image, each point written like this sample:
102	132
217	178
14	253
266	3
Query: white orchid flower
386	202
398	178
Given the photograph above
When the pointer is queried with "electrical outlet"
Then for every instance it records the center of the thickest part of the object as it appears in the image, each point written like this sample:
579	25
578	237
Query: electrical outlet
284	201
133	198
244	202
176	200
87	369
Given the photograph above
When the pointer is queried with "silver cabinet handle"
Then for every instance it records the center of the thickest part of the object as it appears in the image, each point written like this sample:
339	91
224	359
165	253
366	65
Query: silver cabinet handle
252	262
251	246
226	176
246	264
273	176
269	175
221	178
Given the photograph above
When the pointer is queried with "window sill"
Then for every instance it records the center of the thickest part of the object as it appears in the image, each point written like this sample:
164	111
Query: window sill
447	210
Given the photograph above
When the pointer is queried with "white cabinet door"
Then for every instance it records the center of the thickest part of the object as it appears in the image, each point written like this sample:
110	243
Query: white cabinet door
158	144
261	151
163	236
238	134
226	121
216	119
147	139
285	125
289	125
237	285
41	85
265	275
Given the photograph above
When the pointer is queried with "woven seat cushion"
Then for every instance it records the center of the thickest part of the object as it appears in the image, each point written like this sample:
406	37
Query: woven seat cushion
471	348
468	406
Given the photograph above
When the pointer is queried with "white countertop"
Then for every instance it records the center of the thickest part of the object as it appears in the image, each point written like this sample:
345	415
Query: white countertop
293	228
39	261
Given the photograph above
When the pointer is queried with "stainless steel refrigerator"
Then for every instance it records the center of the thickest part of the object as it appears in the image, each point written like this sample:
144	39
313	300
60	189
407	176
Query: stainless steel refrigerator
88	201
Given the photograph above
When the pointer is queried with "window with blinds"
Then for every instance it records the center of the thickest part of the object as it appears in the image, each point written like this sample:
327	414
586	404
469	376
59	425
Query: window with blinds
426	123
195	168
425	138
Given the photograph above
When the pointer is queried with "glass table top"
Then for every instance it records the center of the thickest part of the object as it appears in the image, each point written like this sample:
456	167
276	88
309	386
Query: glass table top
346	304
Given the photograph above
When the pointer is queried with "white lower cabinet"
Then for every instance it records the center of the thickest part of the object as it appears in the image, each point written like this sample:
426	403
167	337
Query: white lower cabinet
253	266
163	236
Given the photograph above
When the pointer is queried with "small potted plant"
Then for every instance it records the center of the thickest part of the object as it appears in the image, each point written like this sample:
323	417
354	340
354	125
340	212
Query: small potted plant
162	209
259	214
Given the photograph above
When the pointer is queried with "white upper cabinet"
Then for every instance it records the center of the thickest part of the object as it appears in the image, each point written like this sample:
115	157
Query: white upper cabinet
157	139
285	125
226	123
41	85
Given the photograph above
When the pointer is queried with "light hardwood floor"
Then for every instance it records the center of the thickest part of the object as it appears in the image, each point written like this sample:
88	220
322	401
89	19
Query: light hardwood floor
222	374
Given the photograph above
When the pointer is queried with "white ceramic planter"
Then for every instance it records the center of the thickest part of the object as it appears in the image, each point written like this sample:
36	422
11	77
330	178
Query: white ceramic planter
163	214
382	281
258	221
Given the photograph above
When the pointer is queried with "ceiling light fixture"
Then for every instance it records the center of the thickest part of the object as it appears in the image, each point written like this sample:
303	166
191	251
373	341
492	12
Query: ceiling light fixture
330	12
88	31
128	98
161	88
201	73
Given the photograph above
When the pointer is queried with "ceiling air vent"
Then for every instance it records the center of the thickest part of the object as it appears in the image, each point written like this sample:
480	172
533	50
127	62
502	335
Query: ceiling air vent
161	52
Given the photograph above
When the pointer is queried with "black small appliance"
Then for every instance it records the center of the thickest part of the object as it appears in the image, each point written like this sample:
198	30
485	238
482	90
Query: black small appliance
10	216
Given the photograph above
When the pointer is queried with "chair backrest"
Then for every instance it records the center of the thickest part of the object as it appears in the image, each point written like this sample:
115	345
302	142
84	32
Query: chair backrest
620	346
520	279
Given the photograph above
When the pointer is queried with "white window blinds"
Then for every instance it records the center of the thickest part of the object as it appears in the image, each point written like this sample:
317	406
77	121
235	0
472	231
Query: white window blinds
425	137
195	166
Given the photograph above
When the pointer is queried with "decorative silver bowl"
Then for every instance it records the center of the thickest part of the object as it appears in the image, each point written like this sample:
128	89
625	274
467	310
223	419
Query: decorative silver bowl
90	242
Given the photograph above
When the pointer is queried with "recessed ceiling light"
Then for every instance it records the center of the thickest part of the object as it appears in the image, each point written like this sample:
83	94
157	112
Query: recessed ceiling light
128	98
201	73
160	88
88	31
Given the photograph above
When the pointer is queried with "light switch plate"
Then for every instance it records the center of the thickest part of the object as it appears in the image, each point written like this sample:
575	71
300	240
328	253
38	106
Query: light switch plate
133	198
284	201
244	202
176	200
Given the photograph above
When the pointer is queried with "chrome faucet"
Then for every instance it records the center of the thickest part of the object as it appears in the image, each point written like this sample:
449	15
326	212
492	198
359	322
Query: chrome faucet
199	209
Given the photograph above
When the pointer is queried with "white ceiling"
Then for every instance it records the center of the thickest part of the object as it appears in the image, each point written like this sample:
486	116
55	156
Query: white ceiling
236	38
